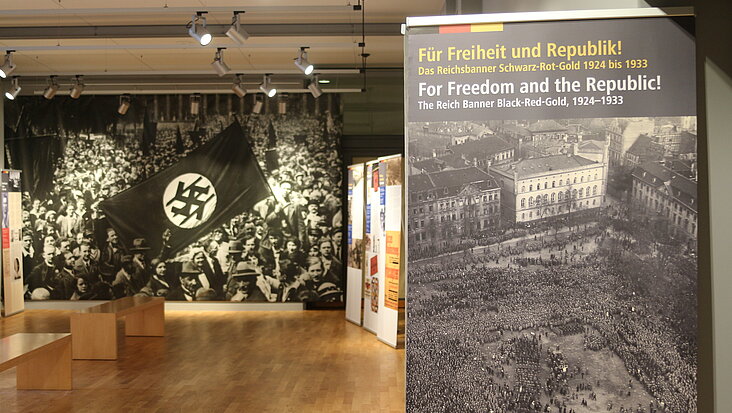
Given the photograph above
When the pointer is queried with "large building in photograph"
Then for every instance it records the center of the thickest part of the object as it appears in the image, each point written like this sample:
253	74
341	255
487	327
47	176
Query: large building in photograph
490	150
538	188
666	194
449	204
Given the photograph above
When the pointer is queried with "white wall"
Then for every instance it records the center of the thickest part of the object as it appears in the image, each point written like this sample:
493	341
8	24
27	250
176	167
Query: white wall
719	135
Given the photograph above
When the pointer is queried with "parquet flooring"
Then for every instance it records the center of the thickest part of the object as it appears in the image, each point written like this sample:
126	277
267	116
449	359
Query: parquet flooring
311	361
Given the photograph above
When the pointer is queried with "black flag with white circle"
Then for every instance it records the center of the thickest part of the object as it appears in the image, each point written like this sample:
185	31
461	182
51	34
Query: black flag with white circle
203	190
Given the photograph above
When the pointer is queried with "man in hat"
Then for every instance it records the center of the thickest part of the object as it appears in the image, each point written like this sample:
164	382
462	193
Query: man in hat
248	284
313	216
127	283
222	249
212	267
110	260
329	292
186	290
233	257
314	235
139	259
292	252
336	236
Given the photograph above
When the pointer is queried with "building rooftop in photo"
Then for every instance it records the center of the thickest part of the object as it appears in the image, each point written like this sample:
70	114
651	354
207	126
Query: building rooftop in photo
533	166
646	149
547	126
481	148
453	180
678	186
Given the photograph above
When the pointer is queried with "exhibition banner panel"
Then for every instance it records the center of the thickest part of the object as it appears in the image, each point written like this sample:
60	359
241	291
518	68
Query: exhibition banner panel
222	204
392	168
552	215
12	244
372	284
356	219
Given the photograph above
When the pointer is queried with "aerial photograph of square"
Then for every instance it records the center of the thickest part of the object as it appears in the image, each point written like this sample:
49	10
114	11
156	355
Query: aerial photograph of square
552	265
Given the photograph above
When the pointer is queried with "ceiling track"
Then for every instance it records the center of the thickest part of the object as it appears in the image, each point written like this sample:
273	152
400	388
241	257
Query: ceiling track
168	74
178	46
172	90
295	8
176	31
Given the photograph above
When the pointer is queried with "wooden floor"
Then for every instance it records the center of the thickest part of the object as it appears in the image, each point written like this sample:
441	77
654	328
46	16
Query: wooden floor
311	361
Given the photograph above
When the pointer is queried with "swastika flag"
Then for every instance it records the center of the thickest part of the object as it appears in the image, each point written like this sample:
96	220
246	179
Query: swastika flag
203	190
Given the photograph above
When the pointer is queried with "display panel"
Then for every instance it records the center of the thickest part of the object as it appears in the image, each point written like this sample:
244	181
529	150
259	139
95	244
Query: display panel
12	224
218	205
391	248
374	219
553	216
356	219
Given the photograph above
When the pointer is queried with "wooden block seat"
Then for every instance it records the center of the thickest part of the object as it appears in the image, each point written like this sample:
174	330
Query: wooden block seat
94	330
43	360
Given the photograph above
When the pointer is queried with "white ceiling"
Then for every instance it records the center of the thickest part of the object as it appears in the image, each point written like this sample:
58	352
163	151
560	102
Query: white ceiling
53	37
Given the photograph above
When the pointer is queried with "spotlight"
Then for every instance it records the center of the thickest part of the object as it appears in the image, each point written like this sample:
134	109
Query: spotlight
238	87
14	89
282	105
314	88
8	66
323	81
77	86
258	104
218	64
267	88
235	32
195	103
199	32
125	101
301	61
52	88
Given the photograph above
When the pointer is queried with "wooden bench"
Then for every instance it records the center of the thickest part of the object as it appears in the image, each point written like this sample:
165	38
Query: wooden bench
94	330
43	360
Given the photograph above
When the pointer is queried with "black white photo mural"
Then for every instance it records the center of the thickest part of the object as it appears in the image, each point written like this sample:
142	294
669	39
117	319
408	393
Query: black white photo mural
222	205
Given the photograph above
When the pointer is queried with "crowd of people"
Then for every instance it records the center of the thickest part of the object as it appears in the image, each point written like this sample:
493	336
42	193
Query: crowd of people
610	295
70	253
